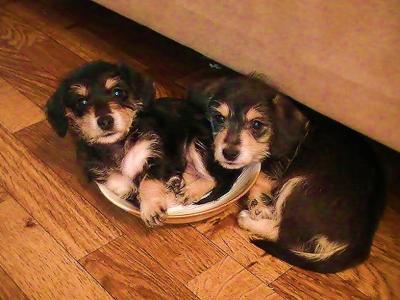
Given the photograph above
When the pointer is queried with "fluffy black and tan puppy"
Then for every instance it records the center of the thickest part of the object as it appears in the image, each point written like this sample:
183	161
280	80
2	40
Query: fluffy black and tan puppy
101	103
158	152
318	199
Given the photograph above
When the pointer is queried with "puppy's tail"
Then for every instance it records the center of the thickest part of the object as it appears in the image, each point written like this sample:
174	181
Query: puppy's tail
326	257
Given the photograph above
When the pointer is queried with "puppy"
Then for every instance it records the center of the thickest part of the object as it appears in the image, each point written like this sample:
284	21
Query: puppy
102	104
318	199
186	135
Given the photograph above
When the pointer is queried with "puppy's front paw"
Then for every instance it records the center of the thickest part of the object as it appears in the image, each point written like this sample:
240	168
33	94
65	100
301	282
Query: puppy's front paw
176	184
244	219
154	198
121	185
259	210
153	212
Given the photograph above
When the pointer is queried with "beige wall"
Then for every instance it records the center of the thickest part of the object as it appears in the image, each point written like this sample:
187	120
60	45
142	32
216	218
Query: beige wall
341	57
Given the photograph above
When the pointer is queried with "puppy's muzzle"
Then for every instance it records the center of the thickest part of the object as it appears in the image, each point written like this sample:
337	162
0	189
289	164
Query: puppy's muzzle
105	122
230	154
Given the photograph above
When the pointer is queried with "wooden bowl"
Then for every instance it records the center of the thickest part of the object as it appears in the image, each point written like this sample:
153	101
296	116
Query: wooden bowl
194	213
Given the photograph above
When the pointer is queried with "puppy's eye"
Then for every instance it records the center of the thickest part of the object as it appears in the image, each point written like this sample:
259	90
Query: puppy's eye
82	102
256	125
118	93
219	118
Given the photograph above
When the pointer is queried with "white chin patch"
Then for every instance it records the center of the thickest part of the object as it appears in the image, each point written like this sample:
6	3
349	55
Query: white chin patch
231	165
109	139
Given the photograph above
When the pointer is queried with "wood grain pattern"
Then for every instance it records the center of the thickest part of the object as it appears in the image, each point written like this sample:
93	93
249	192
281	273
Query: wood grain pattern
8	288
17	111
126	271
15	34
386	237
185	252
299	284
377	278
42	40
225	233
76	39
19	71
53	57
229	280
77	225
38	265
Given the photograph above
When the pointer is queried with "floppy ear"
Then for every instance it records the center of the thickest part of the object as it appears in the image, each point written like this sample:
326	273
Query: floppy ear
289	123
142	85
204	92
55	111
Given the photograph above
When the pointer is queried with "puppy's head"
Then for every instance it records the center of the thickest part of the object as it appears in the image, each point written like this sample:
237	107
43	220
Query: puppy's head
250	120
99	102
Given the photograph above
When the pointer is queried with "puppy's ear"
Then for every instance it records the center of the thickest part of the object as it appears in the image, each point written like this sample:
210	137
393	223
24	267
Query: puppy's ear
290	125
55	111
141	85
204	92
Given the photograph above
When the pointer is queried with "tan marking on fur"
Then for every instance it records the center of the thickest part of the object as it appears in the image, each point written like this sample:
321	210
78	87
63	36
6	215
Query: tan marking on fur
271	226
123	117
250	149
194	159
155	198
263	185
223	109
137	156
252	114
80	89
324	248
219	144
196	187
120	185
111	82
262	228
197	180
88	129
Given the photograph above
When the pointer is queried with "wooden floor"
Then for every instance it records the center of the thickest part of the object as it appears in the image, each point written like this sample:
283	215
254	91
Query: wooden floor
59	239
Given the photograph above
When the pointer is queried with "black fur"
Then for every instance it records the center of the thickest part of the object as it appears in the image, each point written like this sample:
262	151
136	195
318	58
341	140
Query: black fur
342	196
175	123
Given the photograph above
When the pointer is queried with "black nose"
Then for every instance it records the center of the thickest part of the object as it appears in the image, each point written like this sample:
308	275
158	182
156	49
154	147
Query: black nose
105	122
230	154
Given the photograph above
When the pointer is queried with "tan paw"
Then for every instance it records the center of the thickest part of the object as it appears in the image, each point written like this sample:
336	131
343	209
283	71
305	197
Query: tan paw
259	210
121	185
244	219
153	213
176	184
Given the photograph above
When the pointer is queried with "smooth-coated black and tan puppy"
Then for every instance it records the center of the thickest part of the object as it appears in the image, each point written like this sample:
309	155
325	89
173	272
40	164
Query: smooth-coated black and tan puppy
318	199
101	103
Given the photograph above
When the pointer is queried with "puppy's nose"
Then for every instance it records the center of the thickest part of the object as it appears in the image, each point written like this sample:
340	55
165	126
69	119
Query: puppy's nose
105	122
230	154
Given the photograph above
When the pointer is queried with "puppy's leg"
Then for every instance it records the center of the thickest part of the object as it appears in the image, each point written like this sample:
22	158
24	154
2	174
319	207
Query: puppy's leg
262	228
198	181
195	187
259	201
155	198
268	228
120	185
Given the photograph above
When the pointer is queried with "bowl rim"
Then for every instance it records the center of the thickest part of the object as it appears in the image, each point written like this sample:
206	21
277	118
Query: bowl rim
132	209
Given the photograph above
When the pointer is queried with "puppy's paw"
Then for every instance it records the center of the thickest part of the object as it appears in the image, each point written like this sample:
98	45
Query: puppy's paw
155	198
195	191
121	185
176	184
153	212
258	210
244	219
